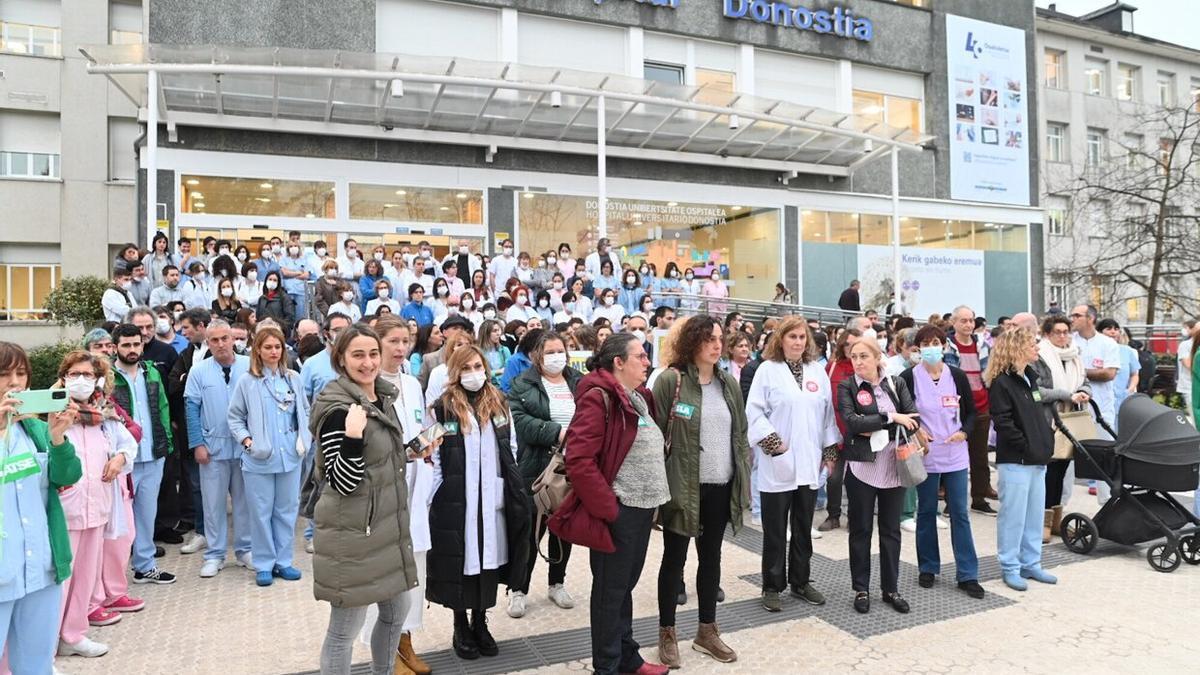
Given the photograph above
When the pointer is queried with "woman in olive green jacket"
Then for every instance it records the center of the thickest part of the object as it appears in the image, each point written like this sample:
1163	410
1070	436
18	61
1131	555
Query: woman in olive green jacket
703	417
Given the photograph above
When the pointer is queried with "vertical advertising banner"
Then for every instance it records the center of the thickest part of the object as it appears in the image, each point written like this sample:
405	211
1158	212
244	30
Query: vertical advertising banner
932	280
989	119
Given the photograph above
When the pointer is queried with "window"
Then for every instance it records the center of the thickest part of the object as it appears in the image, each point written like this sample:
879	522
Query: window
1102	289
1057	290
31	39
405	203
257	197
1196	95
1135	220
1166	89
667	73
122	162
23	290
718	86
29	144
1097	219
437	29
1095	148
895	111
1165	147
124	22
1056	142
1055	63
1127	82
1056	217
1093	77
795	78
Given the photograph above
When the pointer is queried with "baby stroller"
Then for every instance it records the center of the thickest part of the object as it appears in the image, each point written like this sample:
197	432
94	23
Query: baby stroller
1157	451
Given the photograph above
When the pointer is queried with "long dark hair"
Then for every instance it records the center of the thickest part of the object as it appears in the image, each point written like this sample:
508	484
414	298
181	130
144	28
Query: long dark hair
615	347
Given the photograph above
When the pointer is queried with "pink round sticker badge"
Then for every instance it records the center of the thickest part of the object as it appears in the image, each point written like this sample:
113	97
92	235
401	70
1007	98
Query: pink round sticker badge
811	386
865	398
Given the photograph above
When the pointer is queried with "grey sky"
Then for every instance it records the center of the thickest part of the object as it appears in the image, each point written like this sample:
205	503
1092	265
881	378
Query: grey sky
1171	20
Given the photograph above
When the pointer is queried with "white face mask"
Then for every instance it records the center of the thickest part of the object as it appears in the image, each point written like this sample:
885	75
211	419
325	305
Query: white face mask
227	292
379	255
551	260
252	276
126	285
640	335
467	305
320	252
674	274
473	381
521	300
224	251
443	291
558	285
690	277
294	251
330	274
543	303
608	300
554	363
462	250
272	284
507	252
384	293
276	248
162	326
241	255
716	278
489	313
80	388
882	342
630	280
347	296
239	346
352	253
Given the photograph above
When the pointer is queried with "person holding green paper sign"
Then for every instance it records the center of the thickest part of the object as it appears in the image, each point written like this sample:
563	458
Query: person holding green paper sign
35	549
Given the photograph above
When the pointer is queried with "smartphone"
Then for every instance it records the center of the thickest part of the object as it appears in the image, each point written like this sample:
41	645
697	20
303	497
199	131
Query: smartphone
431	435
42	401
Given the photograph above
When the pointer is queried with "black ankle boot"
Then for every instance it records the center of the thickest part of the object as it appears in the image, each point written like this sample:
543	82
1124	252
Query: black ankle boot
464	638
483	637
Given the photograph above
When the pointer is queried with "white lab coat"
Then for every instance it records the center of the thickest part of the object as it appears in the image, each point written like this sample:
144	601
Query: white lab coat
482	461
803	418
592	263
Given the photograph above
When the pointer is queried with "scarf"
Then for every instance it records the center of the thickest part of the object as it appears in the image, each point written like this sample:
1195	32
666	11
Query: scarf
1065	365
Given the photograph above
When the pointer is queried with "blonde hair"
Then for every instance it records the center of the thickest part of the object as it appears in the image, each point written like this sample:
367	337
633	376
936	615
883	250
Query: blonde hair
872	347
774	349
489	402
1007	353
262	333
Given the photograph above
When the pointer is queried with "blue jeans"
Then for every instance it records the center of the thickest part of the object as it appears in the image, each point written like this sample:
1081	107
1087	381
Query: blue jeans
929	559
298	298
1022	491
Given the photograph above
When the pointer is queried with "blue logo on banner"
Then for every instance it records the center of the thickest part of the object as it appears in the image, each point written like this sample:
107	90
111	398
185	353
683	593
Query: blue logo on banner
973	46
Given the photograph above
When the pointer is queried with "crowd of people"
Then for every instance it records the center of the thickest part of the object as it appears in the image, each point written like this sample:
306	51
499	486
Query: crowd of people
405	443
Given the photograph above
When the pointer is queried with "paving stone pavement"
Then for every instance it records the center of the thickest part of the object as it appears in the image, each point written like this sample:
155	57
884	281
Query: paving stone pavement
1110	613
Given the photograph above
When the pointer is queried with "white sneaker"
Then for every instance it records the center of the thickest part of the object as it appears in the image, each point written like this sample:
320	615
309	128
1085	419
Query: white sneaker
197	542
244	560
816	534
308	546
908	525
756	520
559	596
516	604
211	567
85	647
942	523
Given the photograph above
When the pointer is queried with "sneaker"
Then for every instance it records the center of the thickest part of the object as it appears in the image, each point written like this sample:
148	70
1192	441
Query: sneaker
308	546
971	588
909	524
983	507
559	596
756	521
771	602
516	604
85	647
815	534
103	617
154	576
210	568
926	579
196	543
942	523
831	523
126	604
287	573
264	578
159	551
244	559
808	594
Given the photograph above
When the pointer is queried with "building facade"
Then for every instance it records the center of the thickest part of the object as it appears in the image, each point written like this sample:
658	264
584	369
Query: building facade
248	163
1114	105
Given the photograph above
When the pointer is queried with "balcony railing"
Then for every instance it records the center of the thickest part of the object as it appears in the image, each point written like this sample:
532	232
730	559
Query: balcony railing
29	165
24	38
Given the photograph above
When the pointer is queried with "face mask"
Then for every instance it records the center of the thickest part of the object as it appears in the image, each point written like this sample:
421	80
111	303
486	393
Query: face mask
347	296
294	251
647	308
716	277
330	274
443	291
551	260
227	292
352	253
239	346
931	355
570	306
521	300
645	271
882	342
242	256
869	334
608	300
558	285
426	253
252	276
378	255
674	274
467	305
543	303
177	315
507	252
690	276
276	248
452	310
473	381
640	335
224	273
384	293
462	250
320	252
489	313
162	326
272	284
541	263
554	363
126	285
630	280
80	388
224	251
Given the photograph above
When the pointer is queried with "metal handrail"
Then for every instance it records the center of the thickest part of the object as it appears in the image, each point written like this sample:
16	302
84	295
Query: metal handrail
757	309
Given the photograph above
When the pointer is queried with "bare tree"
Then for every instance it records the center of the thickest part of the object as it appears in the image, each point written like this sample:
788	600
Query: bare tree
1140	212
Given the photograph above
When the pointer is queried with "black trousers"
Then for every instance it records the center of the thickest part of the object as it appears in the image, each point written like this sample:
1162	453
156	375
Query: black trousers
863	500
614	576
1056	471
714	514
833	489
781	510
555	548
977	450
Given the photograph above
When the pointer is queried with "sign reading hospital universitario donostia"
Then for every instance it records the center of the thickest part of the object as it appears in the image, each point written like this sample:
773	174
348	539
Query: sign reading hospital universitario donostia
989	120
838	21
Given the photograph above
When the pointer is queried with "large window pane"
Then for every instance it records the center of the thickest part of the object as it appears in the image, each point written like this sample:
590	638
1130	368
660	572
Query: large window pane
258	197
20	292
405	203
744	238
904	113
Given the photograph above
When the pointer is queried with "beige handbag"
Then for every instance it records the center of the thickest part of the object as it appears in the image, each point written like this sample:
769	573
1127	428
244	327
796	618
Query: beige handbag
1080	425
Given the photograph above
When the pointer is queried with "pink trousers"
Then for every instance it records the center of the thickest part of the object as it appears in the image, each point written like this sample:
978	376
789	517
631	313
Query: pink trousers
115	561
87	547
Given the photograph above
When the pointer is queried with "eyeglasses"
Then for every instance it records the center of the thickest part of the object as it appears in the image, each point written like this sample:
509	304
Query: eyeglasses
1060	333
1076	316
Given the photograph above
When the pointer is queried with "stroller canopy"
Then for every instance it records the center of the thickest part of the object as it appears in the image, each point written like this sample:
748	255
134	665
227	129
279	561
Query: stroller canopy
1152	432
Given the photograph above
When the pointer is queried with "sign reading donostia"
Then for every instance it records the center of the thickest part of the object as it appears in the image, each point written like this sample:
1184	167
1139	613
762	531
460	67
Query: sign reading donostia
840	21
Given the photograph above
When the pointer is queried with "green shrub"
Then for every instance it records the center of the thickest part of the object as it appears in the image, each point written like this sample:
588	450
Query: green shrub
44	361
76	301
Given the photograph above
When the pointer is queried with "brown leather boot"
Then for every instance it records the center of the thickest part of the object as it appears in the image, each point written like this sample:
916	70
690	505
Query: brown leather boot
1047	521
668	647
409	658
708	641
1056	524
401	667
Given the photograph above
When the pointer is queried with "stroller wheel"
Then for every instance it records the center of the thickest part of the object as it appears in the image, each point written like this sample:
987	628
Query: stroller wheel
1163	557
1189	548
1079	533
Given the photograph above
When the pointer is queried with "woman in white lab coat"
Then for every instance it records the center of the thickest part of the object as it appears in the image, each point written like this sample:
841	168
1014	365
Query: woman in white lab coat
792	432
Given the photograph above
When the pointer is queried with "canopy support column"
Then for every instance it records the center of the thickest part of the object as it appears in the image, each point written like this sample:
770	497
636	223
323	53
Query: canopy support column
601	169
896	280
152	157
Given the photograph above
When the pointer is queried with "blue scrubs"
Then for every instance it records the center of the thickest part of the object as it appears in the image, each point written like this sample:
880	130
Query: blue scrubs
273	484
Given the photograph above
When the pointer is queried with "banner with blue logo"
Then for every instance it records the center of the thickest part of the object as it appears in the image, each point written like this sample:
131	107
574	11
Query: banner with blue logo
989	119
